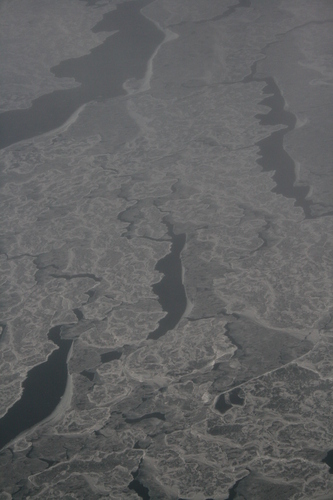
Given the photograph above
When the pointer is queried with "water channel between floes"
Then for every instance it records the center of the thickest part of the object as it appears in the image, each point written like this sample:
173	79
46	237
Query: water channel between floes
101	73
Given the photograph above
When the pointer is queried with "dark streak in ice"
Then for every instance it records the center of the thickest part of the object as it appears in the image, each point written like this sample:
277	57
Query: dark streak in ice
3	329
158	415
33	455
49	463
106	357
78	313
230	10
69	277
170	290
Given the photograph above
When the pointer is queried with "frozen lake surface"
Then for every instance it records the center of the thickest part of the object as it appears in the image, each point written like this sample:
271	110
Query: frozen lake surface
166	251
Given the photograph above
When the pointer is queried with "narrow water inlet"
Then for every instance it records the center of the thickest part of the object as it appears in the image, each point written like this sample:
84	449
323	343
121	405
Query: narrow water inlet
101	74
42	390
273	156
170	290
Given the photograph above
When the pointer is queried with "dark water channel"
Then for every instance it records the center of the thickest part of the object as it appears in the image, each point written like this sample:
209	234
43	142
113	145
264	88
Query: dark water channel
230	10
328	460
139	489
271	149
170	290
42	390
273	155
101	74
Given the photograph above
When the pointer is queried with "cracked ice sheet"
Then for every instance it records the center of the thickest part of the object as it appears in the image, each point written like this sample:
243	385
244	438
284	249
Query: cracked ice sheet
186	148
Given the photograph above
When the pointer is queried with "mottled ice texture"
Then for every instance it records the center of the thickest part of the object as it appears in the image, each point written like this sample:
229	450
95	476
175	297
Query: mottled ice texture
83	226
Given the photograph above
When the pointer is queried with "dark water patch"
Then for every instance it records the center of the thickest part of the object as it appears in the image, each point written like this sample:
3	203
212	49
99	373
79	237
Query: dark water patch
256	486
328	460
78	313
277	114
222	405
91	295
101	74
42	272
106	357
158	415
89	375
217	366
170	290
42	390
235	398
233	491
273	155
139	489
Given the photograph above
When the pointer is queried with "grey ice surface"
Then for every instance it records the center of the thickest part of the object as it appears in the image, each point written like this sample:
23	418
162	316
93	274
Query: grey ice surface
181	144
